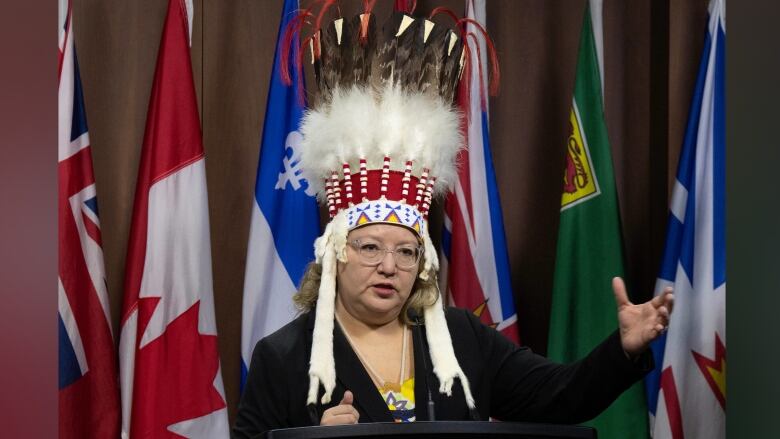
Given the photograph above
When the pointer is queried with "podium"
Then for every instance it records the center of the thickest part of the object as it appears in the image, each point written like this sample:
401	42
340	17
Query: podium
436	430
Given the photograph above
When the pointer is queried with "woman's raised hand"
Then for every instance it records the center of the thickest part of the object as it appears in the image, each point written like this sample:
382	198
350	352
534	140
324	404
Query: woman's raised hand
641	324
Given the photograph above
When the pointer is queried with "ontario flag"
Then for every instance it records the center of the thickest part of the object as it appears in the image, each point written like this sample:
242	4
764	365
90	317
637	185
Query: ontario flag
169	363
88	380
475	263
687	390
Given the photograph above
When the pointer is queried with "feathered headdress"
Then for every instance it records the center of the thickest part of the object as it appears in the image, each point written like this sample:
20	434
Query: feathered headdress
380	143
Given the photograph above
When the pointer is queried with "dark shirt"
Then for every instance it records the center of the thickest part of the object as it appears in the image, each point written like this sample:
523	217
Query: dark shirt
508	382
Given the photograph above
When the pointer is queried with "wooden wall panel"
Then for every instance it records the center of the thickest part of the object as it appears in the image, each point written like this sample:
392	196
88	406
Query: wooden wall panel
651	56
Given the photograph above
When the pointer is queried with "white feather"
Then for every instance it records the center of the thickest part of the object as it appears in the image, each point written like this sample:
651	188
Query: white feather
328	248
363	123
354	111
317	158
389	126
322	367
444	141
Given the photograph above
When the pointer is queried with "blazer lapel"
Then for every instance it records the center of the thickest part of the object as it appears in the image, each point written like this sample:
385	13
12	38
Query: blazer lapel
351	374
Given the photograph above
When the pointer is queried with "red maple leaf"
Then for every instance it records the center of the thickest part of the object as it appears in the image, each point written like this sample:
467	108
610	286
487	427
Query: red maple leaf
174	374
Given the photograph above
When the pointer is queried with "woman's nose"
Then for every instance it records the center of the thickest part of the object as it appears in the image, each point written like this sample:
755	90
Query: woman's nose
387	264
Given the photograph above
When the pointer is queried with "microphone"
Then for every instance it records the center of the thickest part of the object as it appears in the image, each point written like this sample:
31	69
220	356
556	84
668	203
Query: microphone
413	315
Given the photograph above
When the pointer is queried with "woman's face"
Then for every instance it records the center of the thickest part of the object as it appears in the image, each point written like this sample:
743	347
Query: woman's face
376	293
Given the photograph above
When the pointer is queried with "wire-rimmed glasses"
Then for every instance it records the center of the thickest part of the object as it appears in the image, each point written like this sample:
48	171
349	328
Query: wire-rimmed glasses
372	253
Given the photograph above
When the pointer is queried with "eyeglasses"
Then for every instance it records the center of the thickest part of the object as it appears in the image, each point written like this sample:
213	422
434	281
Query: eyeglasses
371	253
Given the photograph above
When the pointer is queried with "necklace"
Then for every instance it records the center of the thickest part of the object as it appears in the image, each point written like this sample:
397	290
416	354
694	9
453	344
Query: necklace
378	380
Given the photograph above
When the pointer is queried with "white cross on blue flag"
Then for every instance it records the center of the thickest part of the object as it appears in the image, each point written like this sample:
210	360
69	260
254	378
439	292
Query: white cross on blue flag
285	216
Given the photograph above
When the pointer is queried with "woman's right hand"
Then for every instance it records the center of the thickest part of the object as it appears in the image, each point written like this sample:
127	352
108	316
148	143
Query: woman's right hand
344	413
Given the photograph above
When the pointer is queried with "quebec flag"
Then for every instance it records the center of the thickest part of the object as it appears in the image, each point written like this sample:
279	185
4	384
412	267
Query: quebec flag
285	215
687	390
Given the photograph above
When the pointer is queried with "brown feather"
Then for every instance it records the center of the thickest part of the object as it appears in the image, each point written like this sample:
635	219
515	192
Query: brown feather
408	56
383	63
415	64
450	73
432	60
358	68
331	58
347	57
316	62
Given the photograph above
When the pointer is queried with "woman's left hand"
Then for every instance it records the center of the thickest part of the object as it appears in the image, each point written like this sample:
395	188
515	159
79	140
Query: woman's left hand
643	323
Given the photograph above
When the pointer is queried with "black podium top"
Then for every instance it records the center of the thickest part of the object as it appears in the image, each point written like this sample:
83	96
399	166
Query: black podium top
440	429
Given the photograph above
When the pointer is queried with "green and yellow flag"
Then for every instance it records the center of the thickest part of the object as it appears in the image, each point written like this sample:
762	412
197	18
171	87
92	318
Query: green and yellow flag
589	252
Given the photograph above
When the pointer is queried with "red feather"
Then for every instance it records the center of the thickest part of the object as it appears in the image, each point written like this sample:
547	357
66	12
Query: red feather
495	71
443	10
368	6
291	31
326	5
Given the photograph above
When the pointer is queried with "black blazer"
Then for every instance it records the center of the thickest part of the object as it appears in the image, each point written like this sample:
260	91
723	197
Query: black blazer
509	383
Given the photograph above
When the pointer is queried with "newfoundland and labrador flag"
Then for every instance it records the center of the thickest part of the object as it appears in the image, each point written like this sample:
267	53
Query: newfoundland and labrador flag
475	263
285	216
169	363
687	390
88	374
589	250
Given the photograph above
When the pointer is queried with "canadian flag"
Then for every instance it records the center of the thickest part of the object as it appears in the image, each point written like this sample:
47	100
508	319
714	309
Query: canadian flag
170	375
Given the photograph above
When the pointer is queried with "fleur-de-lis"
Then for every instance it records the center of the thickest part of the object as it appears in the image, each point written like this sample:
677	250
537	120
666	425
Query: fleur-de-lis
292	170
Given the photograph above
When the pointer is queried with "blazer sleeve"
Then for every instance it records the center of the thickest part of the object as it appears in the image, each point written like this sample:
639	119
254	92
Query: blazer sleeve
264	400
529	387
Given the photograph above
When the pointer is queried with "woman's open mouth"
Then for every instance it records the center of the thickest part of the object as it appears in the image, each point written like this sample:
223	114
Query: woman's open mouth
384	290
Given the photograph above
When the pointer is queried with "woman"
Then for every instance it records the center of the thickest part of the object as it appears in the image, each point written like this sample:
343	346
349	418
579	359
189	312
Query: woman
379	364
374	342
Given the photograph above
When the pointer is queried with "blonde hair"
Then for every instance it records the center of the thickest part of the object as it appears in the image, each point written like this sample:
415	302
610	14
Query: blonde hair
424	292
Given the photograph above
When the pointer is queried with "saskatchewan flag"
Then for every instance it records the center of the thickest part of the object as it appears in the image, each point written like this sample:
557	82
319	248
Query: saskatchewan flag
589	251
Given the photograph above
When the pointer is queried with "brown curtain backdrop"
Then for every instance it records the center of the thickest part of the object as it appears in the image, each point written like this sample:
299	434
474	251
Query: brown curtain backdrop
652	49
